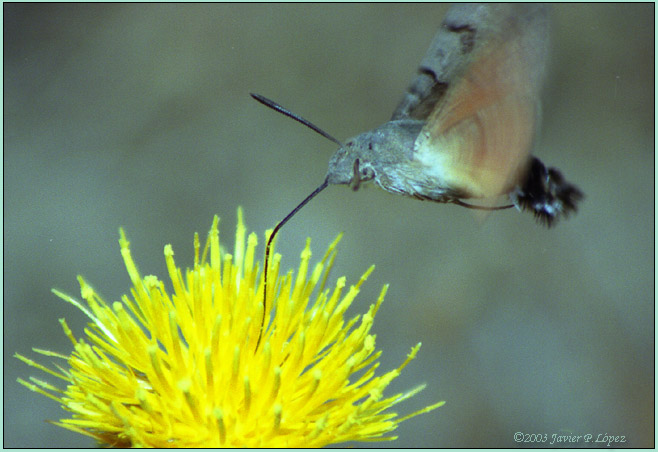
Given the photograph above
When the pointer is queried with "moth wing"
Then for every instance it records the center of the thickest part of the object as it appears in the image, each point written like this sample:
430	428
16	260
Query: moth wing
445	59
478	137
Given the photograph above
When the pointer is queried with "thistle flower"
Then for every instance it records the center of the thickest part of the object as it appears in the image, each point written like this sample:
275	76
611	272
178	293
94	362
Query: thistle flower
186	369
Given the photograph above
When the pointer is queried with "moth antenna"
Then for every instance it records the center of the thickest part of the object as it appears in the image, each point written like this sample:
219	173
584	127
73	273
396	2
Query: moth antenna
276	107
269	244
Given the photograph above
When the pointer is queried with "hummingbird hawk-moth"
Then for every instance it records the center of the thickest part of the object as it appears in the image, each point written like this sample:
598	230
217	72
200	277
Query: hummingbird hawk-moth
465	126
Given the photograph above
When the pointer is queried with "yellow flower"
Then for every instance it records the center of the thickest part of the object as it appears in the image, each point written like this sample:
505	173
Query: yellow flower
184	369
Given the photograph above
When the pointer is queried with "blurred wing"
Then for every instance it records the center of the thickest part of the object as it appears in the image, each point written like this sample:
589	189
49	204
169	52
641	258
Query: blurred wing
478	136
446	57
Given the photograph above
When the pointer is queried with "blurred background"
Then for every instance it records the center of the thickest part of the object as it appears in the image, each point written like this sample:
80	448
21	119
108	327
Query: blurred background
140	116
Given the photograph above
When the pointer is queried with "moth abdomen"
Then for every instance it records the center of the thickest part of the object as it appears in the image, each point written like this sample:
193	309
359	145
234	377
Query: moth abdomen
546	193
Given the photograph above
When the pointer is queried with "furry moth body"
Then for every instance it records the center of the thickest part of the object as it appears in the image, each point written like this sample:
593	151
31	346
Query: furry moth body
465	126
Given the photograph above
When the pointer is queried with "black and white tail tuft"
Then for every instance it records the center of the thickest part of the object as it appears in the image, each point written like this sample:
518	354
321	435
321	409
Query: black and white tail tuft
546	193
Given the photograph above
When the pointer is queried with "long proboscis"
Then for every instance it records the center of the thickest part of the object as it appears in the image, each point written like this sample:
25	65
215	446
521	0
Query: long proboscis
278	108
269	246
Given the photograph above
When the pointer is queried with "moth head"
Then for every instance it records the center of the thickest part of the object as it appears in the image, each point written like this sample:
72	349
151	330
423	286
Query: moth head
349	168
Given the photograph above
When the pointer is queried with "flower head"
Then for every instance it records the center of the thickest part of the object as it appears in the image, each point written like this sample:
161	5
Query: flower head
185	368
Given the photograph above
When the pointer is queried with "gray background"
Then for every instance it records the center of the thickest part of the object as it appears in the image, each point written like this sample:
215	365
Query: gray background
139	116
